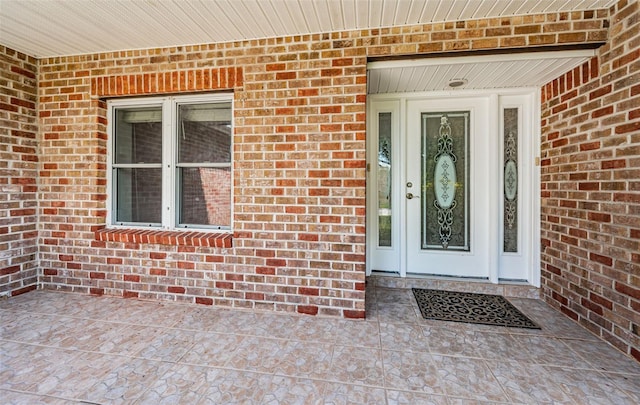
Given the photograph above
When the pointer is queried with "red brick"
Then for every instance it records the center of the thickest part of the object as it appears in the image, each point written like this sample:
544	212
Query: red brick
9	270
308	309
628	290
308	291
204	301
607	261
354	314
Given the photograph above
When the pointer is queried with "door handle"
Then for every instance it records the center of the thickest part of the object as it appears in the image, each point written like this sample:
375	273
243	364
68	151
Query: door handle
410	196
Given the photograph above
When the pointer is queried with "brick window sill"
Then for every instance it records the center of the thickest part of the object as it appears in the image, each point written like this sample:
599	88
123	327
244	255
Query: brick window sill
160	237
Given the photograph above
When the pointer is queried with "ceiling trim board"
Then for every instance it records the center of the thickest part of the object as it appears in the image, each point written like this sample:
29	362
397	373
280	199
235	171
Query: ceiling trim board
500	57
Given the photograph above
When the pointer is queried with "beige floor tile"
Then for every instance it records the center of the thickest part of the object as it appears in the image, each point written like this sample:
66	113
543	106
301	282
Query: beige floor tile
528	383
588	387
357	333
281	326
346	394
128	340
306	360
603	357
412	398
237	387
550	351
467	343
629	383
393	295
403	337
22	398
25	367
468	378
48	330
74	376
212	349
293	391
258	354
169	345
357	365
60	348
411	371
182	384
313	329
397	312
126	382
466	401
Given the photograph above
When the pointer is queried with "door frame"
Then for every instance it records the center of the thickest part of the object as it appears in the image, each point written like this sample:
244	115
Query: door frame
530	145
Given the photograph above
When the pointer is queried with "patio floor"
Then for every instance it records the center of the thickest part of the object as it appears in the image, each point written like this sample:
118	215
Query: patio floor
60	348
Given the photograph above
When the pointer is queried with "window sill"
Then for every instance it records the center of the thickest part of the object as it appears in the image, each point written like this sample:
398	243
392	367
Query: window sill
160	237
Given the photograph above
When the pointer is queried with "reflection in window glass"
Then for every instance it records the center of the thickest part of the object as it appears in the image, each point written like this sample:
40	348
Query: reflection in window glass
384	179
204	164
139	195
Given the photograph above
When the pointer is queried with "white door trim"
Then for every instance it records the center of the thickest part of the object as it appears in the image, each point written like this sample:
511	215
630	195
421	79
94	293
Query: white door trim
533	148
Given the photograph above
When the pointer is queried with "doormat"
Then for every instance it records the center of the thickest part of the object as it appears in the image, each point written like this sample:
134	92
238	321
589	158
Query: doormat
484	309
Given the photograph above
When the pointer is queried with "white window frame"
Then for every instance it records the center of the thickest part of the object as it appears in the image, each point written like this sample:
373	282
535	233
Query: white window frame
170	166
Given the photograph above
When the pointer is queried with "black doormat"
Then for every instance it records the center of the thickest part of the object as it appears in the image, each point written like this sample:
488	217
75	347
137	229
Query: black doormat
456	306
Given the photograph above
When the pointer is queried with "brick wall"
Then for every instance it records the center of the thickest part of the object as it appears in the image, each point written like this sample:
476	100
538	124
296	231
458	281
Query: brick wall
18	172
299	162
591	187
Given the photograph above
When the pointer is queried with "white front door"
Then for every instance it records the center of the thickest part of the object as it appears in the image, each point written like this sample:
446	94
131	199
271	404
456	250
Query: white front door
451	185
447	187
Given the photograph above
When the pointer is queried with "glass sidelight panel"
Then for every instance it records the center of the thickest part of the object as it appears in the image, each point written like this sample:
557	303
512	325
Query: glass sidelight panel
444	179
510	214
384	179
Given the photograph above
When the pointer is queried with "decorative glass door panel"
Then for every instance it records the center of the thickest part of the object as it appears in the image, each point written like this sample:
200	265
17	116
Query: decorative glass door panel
445	174
510	179
447	202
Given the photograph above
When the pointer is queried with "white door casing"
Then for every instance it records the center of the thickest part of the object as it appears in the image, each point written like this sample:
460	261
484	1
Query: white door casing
485	257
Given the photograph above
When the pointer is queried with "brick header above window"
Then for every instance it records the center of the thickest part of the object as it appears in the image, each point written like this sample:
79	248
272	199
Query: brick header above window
158	237
167	82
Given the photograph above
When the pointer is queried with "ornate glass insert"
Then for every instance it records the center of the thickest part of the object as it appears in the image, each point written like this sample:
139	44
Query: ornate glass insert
445	176
510	146
384	179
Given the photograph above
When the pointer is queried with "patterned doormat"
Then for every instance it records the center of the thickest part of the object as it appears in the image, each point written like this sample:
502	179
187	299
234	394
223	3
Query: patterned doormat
471	308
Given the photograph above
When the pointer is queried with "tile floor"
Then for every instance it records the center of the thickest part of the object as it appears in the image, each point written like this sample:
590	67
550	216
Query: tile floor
66	348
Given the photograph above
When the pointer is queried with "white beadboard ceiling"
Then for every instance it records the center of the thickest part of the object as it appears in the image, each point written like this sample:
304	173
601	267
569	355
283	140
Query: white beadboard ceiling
480	72
45	28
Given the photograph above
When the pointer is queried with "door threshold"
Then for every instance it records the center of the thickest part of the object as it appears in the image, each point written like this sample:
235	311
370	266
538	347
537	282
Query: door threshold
473	285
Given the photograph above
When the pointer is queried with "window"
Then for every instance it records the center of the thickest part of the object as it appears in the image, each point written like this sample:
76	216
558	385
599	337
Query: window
170	162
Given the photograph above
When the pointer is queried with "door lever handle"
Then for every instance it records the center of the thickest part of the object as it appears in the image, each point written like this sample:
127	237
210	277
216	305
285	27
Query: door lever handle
410	196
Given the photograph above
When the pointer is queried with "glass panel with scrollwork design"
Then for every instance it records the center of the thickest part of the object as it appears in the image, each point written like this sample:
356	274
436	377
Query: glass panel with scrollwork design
510	165
445	176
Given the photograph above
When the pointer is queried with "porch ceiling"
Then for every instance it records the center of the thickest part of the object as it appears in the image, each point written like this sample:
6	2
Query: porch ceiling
479	72
44	28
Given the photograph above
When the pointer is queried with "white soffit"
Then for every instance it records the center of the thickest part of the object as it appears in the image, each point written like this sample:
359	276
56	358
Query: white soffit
481	72
44	28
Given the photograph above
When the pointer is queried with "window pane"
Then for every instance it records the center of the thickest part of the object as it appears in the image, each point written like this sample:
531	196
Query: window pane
138	195
138	135
204	133
510	149
205	196
384	179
